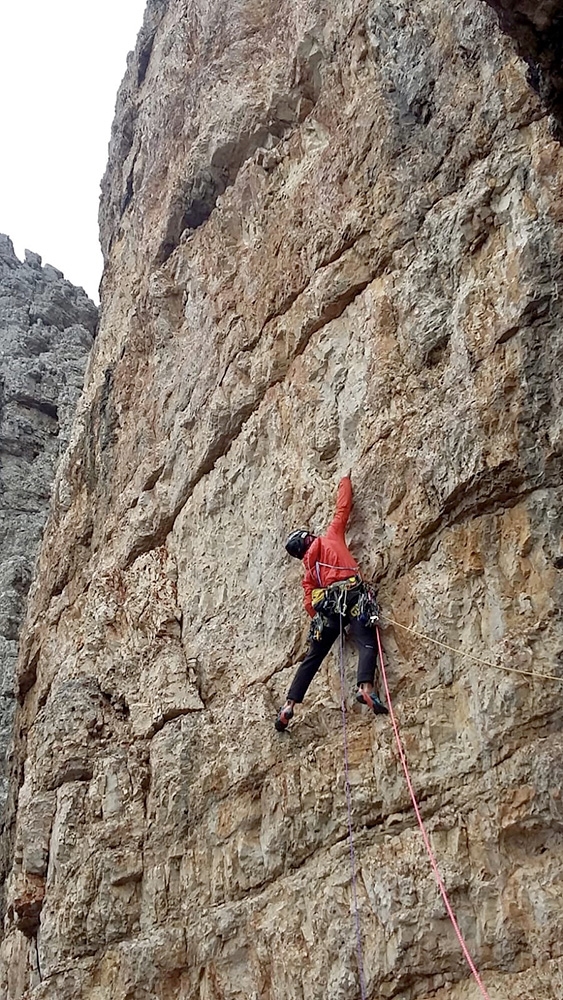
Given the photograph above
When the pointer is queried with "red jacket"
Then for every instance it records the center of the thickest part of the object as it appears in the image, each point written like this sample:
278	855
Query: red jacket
329	559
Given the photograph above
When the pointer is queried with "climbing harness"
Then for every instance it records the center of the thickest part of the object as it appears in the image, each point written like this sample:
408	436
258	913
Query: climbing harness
425	836
350	596
345	569
334	600
471	656
349	810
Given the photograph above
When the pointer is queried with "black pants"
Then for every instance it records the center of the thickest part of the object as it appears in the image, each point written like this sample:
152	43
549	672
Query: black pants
365	640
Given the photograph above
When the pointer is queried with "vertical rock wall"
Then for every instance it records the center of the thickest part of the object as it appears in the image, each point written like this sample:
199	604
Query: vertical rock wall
537	29
46	331
333	238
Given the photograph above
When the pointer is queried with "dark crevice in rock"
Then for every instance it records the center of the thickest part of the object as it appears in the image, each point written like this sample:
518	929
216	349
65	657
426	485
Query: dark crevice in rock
26	910
49	409
74	771
194	204
153	478
281	307
144	57
8	819
538	32
118	703
335	308
195	201
101	427
170	716
27	677
128	193
108	419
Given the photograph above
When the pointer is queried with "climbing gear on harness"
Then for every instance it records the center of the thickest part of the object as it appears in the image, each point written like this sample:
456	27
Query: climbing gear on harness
367	608
298	542
370	699
334	600
353	595
283	719
318	624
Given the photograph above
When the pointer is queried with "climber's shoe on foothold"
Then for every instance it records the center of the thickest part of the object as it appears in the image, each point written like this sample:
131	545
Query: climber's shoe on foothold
370	699
282	721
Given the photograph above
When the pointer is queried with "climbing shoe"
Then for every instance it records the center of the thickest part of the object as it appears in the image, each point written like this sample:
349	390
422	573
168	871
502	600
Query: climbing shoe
284	715
370	699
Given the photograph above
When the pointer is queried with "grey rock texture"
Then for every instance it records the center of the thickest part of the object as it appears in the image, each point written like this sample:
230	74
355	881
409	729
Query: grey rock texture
46	333
333	238
538	31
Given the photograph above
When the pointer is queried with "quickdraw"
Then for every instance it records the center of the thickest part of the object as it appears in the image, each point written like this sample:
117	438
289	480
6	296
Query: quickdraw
318	624
367	608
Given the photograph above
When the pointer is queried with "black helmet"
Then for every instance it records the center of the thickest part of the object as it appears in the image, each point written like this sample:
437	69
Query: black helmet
298	542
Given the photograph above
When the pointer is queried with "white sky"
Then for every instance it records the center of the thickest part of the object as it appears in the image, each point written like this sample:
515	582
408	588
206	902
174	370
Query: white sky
61	63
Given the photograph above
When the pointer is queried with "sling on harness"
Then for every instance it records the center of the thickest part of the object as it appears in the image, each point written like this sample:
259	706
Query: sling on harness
352	595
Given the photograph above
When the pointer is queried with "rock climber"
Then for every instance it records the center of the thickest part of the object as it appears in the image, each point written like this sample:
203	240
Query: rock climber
334	590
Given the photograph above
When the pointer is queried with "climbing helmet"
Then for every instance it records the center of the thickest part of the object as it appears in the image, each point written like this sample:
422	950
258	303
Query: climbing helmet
298	542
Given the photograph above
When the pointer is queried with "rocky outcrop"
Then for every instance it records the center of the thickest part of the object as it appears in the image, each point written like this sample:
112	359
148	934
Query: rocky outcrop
46	331
538	31
333	238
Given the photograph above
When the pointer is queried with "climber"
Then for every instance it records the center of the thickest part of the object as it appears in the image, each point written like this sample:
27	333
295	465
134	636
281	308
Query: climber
334	590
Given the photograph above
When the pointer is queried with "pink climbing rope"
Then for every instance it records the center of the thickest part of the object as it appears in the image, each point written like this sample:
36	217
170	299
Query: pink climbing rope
349	807
425	837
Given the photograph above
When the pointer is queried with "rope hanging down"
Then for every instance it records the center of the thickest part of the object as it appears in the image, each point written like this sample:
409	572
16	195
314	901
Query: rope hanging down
477	659
425	837
349	808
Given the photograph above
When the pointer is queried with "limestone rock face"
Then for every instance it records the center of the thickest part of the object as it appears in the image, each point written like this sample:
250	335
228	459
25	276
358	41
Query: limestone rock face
333	239
46	330
537	30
